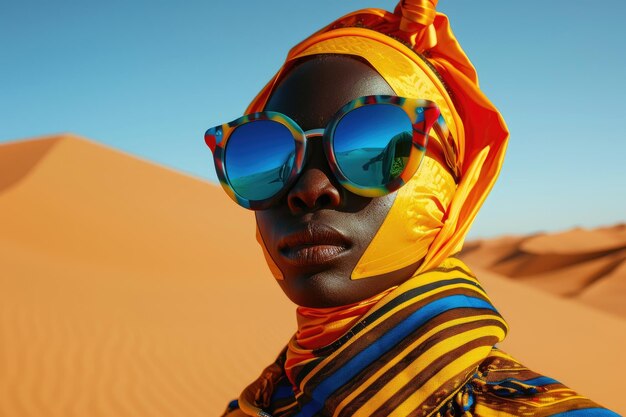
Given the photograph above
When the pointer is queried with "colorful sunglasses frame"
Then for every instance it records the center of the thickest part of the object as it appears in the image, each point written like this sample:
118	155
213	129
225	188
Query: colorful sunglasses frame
423	114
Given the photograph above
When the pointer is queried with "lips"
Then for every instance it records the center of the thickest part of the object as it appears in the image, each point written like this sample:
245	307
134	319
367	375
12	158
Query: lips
315	244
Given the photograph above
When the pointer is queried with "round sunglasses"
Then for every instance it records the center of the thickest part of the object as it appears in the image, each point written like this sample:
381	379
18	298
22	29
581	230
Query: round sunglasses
374	145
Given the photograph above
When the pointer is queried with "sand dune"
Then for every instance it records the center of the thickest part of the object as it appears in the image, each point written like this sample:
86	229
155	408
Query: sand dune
586	265
121	287
128	289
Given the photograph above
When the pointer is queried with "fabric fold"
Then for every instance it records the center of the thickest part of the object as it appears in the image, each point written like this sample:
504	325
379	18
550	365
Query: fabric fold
426	348
418	342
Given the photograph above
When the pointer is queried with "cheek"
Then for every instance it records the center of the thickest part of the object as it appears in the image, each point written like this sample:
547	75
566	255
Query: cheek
264	236
370	219
261	224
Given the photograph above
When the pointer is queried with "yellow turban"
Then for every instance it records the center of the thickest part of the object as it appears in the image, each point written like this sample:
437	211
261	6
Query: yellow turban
415	51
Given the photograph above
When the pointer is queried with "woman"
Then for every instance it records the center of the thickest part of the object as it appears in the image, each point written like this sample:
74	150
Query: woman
366	159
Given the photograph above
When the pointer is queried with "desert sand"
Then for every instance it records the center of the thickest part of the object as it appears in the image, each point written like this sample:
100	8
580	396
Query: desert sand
129	289
586	265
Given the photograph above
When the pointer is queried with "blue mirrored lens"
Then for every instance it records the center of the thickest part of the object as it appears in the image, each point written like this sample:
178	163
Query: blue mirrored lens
258	159
372	144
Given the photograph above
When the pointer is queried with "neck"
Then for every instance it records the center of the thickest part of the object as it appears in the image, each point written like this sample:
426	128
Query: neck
318	327
410	349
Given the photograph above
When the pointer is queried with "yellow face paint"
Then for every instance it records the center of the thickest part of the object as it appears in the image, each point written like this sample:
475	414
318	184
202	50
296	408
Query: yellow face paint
414	220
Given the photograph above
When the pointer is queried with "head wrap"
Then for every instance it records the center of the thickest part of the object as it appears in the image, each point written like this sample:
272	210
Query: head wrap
415	51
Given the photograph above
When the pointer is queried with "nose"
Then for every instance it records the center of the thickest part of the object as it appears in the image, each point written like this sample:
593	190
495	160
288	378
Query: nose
315	189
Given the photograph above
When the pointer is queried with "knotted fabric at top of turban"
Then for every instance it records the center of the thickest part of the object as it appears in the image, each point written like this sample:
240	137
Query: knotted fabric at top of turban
415	51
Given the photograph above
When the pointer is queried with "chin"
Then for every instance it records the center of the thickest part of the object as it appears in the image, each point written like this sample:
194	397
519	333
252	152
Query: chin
324	289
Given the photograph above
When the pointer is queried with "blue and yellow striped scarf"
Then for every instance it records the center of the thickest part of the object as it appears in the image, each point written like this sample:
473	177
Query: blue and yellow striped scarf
425	349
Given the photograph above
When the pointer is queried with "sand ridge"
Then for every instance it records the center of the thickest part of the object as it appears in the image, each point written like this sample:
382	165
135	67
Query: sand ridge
129	289
587	265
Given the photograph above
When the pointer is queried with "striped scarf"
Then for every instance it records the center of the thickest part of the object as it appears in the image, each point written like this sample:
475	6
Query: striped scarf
424	349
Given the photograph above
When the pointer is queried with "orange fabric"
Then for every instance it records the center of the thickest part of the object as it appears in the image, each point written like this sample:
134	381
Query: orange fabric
478	131
416	13
318	327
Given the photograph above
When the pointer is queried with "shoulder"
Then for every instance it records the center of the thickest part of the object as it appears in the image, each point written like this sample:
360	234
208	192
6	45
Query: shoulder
502	384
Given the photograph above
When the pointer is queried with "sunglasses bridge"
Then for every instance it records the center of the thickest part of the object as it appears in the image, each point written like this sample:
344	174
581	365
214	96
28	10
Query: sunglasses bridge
314	133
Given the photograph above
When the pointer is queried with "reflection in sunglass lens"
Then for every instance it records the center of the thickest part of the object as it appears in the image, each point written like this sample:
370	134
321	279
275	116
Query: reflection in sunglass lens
258	159
372	144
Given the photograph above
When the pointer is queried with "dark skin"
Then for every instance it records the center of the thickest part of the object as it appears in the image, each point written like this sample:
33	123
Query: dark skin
310	94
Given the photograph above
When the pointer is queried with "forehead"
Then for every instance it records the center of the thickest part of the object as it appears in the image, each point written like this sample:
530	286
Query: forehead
317	86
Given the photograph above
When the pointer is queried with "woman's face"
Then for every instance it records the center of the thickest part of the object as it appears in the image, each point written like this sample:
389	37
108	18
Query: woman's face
318	231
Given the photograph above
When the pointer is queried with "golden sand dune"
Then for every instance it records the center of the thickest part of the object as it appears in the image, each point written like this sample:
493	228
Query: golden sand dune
578	241
128	289
121	284
582	264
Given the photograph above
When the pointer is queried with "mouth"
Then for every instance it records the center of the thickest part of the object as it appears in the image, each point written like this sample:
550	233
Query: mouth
316	244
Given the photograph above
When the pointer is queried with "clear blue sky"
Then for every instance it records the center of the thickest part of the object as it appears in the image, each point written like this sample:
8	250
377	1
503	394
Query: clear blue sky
148	77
